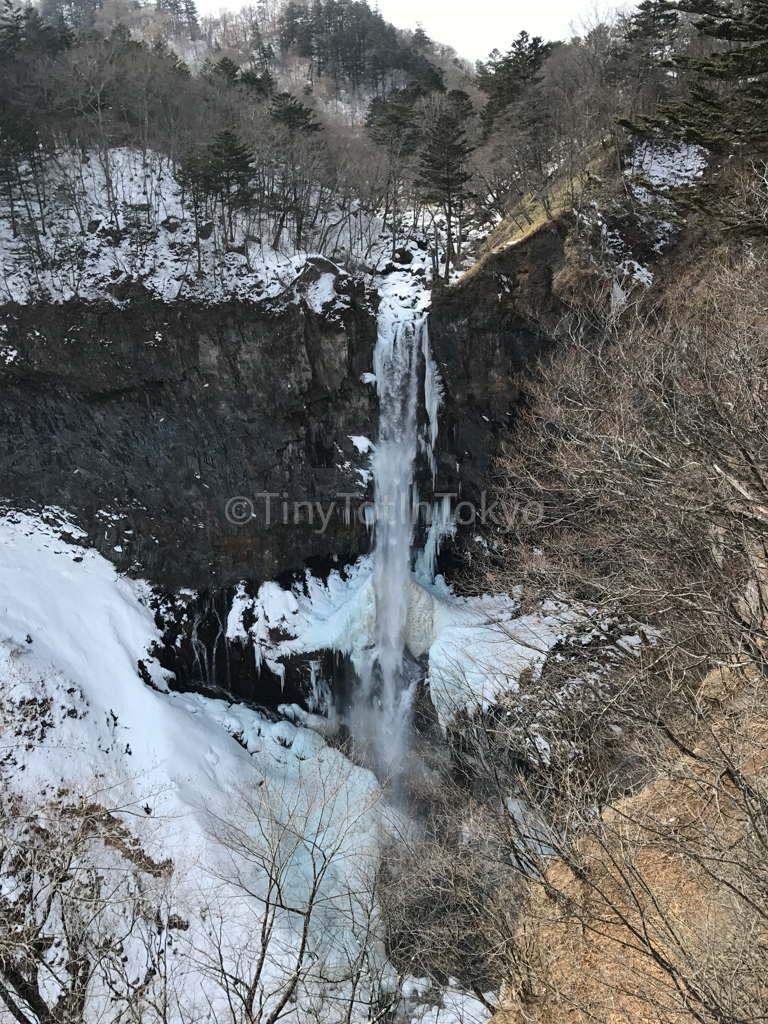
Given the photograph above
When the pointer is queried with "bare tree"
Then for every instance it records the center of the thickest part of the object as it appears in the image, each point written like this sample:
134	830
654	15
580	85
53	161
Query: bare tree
84	914
645	441
292	924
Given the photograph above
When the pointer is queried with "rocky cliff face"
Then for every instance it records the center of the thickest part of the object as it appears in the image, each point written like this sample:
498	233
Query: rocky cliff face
485	332
144	422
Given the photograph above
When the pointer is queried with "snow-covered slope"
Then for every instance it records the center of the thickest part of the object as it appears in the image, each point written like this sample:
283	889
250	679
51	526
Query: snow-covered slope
116	219
234	800
180	769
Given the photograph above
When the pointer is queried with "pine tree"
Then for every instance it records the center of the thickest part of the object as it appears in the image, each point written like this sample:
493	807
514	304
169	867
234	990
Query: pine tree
420	38
76	14
189	14
727	101
504	78
393	126
194	178
649	39
261	83
294	115
25	41
172	8
348	41
226	70
172	61
229	174
443	174
24	33
654	21
391	120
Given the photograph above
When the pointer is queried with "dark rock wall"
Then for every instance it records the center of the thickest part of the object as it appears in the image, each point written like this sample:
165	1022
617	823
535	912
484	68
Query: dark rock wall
485	333
144	421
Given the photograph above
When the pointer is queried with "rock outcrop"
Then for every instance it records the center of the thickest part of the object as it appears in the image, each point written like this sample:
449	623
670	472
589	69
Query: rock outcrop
144	421
485	332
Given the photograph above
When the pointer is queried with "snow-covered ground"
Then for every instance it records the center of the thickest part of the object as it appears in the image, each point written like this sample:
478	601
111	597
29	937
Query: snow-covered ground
230	797
182	770
115	219
670	165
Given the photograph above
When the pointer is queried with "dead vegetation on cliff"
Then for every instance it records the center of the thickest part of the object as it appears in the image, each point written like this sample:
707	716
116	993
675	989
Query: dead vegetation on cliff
646	441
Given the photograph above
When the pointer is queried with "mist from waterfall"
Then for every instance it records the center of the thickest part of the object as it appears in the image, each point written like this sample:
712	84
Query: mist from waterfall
382	709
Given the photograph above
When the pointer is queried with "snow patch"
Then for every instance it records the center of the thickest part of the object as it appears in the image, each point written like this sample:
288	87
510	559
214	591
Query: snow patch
668	165
73	634
322	292
363	444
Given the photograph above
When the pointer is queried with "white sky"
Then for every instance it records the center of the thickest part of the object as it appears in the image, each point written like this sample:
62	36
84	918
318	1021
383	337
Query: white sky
475	27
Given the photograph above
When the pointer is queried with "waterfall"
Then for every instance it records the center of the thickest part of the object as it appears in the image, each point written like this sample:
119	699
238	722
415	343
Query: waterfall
383	706
395	366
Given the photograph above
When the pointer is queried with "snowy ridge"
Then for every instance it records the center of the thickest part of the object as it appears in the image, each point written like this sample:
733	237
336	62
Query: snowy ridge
115	219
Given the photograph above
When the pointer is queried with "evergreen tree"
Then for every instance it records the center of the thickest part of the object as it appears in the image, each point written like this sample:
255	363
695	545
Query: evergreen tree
24	34
226	71
189	14
294	115
172	8
25	42
727	101
420	38
262	54
443	174
172	61
653	21
391	119
393	126
642	58
228	174
194	179
423	72
260	82
504	78
348	41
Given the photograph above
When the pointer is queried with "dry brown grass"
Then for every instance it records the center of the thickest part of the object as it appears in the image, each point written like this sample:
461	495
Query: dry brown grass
649	450
659	925
532	214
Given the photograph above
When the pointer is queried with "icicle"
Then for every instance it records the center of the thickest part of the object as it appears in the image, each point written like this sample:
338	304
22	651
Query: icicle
433	395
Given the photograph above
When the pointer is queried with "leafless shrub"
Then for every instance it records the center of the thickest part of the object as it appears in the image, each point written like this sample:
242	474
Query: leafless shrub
85	914
292	925
646	441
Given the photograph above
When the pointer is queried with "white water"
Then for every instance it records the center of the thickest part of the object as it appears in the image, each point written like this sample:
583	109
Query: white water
382	710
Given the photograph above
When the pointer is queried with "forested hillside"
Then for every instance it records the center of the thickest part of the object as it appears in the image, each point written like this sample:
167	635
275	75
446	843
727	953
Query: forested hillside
633	885
310	127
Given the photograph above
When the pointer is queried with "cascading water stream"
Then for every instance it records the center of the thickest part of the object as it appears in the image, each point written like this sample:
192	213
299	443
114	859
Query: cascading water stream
382	711
395	368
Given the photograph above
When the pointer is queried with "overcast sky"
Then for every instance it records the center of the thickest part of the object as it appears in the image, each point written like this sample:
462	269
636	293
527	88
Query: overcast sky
475	27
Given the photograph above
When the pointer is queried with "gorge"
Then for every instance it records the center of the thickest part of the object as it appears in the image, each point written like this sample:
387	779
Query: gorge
383	489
